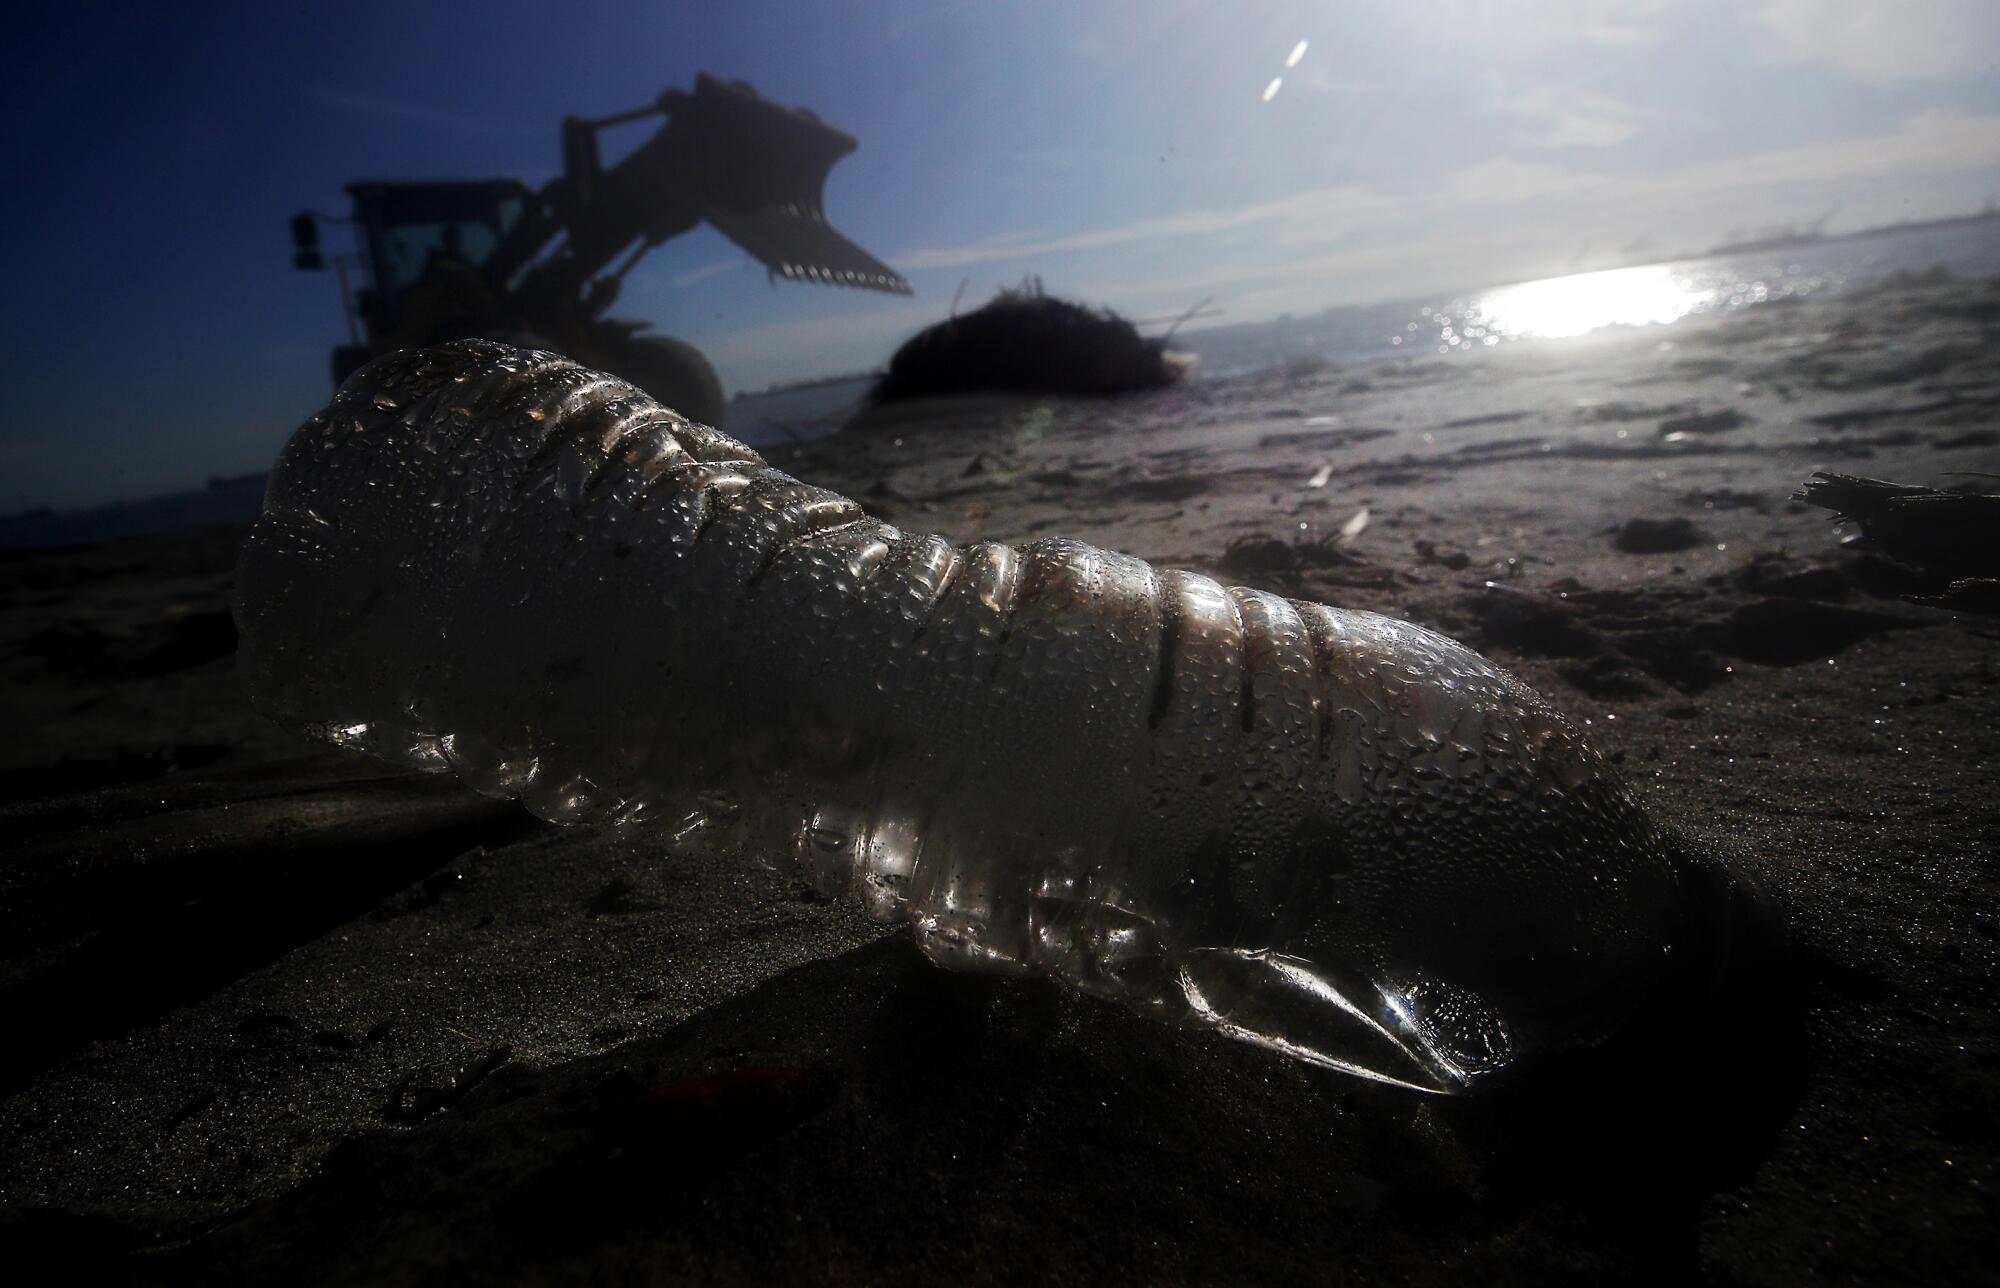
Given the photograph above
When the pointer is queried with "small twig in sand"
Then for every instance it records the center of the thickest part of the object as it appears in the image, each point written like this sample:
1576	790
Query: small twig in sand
788	431
1184	317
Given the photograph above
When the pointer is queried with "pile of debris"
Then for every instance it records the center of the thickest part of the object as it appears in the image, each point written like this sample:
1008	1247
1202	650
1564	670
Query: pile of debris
1026	341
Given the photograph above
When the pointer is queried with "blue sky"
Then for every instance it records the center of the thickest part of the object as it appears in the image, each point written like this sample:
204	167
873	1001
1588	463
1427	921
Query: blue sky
1124	151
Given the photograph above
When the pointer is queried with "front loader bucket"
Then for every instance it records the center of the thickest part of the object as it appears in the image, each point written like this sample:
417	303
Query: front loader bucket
757	171
805	248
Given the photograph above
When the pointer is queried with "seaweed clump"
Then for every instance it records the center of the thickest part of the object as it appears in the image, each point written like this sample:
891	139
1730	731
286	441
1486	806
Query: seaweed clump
1029	342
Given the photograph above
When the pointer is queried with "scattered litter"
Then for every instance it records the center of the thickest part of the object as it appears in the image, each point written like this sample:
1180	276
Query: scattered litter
1954	533
1430	552
1326	438
1714	422
1786	632
1658	536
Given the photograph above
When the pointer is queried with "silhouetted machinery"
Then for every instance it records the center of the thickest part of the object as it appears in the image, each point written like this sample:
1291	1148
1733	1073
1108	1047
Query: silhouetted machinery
497	259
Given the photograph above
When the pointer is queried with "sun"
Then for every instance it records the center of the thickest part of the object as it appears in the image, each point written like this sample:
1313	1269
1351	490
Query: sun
1566	306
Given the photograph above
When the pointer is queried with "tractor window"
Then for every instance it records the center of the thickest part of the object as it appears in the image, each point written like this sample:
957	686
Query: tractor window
405	250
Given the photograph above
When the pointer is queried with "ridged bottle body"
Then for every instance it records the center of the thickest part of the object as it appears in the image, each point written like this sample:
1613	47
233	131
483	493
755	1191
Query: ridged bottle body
1329	832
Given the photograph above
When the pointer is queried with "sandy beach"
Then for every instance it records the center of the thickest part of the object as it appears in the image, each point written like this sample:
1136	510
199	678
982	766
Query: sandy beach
275	1014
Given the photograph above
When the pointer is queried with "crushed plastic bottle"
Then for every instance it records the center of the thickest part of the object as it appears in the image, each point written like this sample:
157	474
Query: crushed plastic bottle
1330	833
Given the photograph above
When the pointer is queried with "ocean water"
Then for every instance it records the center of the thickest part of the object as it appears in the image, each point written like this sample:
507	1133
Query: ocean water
1642	295
1651	294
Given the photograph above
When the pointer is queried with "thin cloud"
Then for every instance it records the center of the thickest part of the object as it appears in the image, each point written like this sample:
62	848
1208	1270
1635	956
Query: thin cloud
1934	142
395	109
1306	208
1930	143
707	271
1560	117
1529	216
1504	181
1905	41
1321	79
1508	29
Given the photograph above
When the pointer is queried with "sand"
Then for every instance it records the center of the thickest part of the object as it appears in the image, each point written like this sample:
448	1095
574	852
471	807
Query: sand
278	1015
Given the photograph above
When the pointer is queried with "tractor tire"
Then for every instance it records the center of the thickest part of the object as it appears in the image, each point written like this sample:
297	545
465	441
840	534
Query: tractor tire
671	370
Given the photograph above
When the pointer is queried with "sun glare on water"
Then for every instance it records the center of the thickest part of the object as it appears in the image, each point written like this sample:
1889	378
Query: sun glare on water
1564	306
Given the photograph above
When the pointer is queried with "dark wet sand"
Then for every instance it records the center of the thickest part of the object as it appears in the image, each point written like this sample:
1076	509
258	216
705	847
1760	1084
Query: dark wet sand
276	1015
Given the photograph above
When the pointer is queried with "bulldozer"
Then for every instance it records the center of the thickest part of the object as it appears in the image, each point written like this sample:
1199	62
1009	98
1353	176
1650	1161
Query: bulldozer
497	259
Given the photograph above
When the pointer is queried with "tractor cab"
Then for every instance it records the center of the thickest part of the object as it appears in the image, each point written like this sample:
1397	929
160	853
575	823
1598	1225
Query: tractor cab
408	229
417	242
